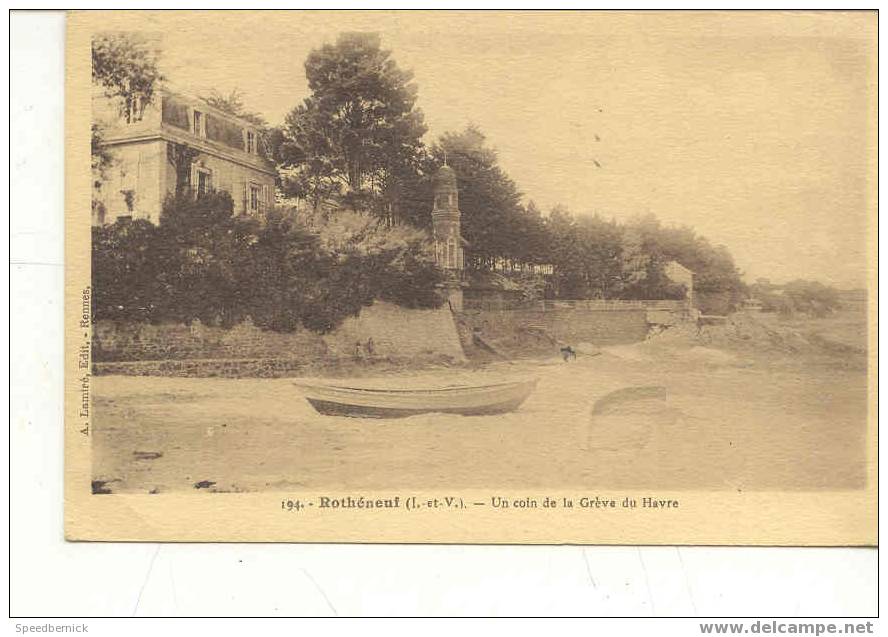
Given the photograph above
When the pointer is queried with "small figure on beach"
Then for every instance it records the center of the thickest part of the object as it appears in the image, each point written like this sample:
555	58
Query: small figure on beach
568	353
371	347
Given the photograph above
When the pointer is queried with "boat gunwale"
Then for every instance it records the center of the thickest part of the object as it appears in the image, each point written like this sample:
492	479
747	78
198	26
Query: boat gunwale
418	391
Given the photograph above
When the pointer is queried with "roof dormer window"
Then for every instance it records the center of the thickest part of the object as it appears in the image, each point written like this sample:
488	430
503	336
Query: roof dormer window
251	142
198	126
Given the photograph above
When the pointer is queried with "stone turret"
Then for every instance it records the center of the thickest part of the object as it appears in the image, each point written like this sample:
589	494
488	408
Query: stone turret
446	220
447	235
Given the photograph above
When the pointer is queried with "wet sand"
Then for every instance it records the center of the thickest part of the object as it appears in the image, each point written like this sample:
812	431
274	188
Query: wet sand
721	421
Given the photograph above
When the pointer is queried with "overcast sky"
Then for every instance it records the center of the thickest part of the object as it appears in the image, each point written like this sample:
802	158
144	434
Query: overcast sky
755	129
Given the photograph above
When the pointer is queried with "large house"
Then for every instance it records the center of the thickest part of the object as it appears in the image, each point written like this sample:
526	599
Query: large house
224	155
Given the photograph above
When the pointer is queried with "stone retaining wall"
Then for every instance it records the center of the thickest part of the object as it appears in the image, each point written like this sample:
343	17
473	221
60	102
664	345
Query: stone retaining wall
534	332
381	332
383	335
114	341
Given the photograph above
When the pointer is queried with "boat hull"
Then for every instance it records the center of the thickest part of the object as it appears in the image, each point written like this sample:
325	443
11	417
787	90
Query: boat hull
377	403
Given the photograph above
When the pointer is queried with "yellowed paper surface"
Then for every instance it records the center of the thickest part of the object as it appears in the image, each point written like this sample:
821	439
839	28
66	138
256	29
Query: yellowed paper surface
651	421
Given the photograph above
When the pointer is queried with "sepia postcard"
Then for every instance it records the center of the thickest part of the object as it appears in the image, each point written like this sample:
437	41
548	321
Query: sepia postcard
562	277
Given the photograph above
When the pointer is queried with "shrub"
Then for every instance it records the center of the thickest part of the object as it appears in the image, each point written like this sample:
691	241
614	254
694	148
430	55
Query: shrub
124	271
203	263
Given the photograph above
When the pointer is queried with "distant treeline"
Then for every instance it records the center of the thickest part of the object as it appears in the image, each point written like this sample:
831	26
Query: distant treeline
797	297
591	257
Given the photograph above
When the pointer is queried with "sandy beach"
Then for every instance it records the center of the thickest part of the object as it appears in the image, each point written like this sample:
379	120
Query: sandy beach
720	419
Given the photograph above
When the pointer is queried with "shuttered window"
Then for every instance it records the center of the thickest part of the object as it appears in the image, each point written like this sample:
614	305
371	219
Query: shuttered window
255	198
204	181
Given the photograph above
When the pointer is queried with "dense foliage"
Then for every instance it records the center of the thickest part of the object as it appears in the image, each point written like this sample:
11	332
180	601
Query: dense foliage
591	257
353	154
799	296
125	66
594	258
359	134
494	222
202	262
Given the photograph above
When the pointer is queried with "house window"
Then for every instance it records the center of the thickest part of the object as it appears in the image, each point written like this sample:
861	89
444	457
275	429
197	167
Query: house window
251	142
204	182
134	109
255	197
198	124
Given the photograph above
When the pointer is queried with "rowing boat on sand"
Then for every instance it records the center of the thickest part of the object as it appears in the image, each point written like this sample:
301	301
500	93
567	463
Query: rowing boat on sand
465	400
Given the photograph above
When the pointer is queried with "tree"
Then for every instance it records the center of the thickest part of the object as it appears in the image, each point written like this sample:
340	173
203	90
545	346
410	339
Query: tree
125	65
601	254
564	253
233	104
286	273
196	255
359	131
811	297
641	275
124	271
284	279
398	263
536	238
649	247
